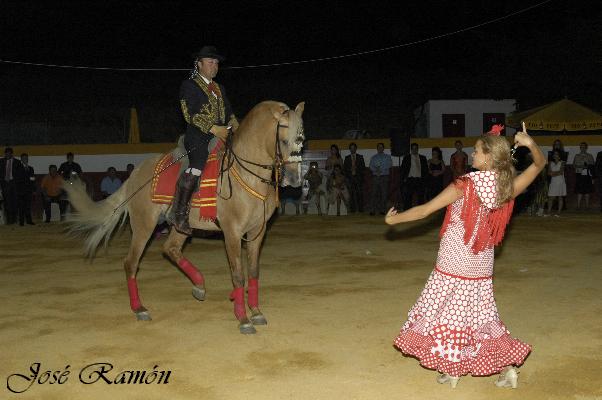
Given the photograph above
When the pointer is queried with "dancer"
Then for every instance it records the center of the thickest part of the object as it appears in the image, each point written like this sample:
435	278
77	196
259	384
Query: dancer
454	327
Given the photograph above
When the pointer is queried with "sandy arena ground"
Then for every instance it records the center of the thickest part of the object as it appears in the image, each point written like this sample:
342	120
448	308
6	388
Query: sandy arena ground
335	292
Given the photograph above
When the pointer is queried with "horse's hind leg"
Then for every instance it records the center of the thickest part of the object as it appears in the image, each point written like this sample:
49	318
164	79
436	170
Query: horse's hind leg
173	250
253	249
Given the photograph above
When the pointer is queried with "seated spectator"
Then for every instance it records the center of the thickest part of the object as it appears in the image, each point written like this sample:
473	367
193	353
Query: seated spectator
52	191
110	183
69	168
130	167
337	189
314	179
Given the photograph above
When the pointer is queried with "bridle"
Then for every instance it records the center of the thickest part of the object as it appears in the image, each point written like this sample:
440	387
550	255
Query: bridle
230	158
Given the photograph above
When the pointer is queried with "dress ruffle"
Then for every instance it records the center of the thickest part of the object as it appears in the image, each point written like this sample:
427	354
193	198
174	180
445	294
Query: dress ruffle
492	357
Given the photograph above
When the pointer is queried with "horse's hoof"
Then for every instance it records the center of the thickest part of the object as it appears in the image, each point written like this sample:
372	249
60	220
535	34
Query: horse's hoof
198	293
143	316
258	319
247	328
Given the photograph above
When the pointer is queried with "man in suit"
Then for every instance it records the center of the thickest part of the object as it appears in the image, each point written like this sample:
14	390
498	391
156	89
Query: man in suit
380	166
25	191
354	167
414	172
207	112
11	175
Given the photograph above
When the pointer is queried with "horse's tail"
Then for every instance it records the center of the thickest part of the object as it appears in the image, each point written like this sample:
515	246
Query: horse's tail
96	221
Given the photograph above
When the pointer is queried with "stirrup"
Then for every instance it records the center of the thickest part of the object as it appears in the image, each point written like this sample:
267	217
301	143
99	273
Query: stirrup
445	378
508	378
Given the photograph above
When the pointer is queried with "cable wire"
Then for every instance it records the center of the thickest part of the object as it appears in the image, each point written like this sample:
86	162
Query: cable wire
313	60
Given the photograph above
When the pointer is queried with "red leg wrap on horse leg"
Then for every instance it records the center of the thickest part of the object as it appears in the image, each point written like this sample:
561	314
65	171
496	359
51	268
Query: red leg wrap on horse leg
135	302
191	271
253	293
238	296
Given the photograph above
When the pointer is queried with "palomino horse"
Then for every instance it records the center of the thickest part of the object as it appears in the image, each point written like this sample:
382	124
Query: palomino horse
268	141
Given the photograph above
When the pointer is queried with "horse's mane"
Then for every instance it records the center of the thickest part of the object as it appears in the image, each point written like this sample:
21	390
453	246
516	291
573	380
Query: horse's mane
262	113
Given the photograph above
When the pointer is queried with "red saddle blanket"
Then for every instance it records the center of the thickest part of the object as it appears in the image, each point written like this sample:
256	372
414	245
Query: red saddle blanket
204	198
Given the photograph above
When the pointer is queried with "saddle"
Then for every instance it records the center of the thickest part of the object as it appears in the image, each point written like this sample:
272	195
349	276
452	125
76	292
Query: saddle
167	173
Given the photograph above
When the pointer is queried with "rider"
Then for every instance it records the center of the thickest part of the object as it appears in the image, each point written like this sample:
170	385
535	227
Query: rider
206	110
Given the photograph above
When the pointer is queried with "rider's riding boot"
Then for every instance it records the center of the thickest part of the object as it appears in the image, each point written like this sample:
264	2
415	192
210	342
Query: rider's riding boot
186	186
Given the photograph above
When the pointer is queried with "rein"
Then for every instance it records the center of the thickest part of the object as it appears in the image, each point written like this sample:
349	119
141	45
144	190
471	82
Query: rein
227	166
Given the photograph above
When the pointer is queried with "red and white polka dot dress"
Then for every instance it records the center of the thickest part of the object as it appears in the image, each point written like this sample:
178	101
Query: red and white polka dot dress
454	327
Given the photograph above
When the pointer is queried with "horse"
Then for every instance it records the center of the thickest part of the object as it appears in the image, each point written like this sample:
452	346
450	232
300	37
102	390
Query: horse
267	143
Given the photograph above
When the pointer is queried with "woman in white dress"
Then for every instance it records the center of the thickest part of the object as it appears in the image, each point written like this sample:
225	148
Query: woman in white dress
557	187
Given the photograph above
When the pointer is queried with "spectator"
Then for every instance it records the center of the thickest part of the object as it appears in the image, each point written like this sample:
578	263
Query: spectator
69	168
541	188
333	159
25	191
598	173
557	187
557	145
52	191
380	164
436	167
130	167
11	174
354	167
583	164
290	194
314	179
414	173
337	190
458	160
110	183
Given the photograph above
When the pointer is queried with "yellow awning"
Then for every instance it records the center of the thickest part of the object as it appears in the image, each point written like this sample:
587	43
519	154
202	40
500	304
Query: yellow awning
134	136
563	115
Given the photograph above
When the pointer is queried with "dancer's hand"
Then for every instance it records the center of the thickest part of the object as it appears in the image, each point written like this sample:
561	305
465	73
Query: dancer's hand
390	214
522	138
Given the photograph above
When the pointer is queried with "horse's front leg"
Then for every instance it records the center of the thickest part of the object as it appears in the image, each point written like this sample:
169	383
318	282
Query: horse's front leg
253	249
233	249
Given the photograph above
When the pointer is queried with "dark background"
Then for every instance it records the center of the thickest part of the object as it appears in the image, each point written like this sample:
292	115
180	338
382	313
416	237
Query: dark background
539	56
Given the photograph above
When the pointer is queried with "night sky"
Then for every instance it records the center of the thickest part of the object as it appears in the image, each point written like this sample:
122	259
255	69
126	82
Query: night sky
541	55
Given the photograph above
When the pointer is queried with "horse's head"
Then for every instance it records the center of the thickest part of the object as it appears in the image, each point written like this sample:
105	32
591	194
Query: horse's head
290	137
272	129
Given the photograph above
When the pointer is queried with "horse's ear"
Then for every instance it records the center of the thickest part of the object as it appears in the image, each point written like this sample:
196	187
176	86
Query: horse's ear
299	109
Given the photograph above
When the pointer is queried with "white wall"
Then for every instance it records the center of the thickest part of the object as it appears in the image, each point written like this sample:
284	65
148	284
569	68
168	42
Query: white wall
89	163
472	109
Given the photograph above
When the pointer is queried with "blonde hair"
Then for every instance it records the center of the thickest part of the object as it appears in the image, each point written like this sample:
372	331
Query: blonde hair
499	148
